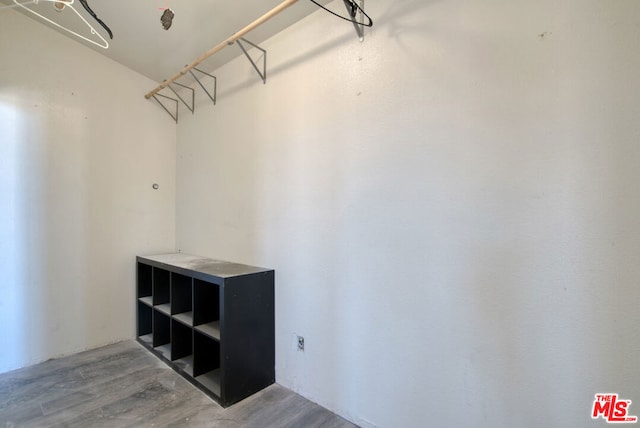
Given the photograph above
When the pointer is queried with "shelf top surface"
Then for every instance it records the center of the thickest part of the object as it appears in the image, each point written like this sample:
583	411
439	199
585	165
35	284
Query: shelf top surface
218	268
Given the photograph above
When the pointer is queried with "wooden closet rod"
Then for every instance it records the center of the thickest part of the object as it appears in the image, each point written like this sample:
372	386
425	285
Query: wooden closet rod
231	40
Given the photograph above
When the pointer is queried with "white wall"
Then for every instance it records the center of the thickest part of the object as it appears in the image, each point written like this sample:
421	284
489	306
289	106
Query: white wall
80	148
451	207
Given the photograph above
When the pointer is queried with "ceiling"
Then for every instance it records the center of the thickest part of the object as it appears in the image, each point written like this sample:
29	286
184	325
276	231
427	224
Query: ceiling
140	42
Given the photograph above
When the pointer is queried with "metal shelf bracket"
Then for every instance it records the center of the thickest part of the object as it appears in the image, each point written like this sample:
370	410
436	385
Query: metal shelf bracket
215	84
174	116
191	107
263	74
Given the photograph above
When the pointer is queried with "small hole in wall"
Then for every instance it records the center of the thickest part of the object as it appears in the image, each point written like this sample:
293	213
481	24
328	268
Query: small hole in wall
155	186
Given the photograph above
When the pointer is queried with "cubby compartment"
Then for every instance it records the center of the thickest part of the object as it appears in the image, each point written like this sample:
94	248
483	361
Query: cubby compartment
145	323
206	313
182	298
162	333
144	283
161	291
206	362
182	346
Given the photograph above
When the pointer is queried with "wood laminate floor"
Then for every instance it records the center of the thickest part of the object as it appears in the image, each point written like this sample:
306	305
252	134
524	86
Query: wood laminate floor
123	385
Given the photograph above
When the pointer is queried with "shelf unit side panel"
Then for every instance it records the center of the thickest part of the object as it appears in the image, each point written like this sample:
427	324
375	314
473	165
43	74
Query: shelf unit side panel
247	335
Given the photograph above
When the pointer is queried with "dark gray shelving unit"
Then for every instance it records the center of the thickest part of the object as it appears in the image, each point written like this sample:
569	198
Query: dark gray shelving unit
211	321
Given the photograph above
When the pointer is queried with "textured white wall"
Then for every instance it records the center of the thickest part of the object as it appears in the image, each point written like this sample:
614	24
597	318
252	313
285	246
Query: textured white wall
451	207
80	148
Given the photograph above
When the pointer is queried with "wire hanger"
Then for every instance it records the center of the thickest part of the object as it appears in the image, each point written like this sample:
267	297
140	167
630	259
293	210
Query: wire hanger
11	6
69	3
353	8
93	14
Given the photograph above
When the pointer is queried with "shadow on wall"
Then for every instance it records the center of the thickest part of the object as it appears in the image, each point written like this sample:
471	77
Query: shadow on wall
393	21
396	20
